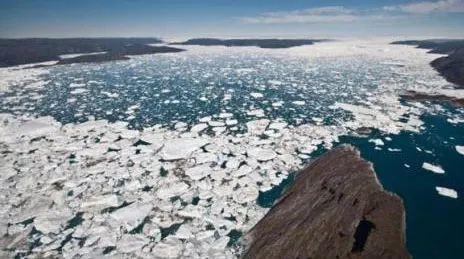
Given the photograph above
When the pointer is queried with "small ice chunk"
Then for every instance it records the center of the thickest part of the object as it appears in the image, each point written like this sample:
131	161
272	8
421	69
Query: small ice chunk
205	158
216	123
79	91
460	149
180	125
132	243
257	113
299	102
132	215
205	119
261	154
168	249
102	202
219	130
220	244
198	172
231	122
447	192
175	149
278	125
407	166
226	115
110	95
52	221
233	163
257	95
377	142
434	168
173	190
257	127
184	232
245	194
199	127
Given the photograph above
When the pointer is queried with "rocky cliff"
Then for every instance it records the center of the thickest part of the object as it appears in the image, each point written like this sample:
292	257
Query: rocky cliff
336	208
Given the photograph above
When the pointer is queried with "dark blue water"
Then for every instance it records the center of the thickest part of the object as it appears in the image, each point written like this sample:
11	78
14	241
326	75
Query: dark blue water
435	227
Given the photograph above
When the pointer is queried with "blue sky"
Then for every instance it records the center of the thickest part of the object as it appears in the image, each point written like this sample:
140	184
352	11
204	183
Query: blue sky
239	18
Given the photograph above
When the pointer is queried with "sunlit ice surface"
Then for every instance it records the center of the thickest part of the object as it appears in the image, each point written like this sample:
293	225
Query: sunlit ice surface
175	154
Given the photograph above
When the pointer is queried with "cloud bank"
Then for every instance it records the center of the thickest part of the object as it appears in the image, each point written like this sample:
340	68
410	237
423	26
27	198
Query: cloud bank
315	15
444	6
328	14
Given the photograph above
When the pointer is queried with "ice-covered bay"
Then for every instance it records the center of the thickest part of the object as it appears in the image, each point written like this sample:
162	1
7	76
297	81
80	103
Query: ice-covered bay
193	139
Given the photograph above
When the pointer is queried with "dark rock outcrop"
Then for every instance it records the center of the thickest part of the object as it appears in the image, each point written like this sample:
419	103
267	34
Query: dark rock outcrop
92	59
33	50
336	208
138	49
262	43
417	96
450	67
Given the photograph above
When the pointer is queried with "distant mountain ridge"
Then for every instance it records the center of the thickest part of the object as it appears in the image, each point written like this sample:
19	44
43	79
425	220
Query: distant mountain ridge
262	43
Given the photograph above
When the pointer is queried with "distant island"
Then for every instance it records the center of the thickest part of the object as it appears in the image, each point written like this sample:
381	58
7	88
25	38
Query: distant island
262	43
450	67
34	50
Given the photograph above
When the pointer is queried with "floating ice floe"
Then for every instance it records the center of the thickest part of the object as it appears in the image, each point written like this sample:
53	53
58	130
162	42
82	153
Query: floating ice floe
447	192
181	148
79	91
257	95
460	149
198	172
257	127
377	142
299	102
434	168
199	127
132	215
261	154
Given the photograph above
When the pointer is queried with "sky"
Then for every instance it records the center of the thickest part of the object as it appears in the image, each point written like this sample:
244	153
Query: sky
179	19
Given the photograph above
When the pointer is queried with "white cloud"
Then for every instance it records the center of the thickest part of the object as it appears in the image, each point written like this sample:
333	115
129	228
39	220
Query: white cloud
445	6
314	15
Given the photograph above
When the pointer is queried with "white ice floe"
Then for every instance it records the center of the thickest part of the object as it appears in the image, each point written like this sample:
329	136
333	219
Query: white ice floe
447	192
246	194
257	127
52	221
460	149
261	154
257	95
110	95
198	172
216	123
377	142
102	202
256	113
278	125
132	243
299	102
231	122
79	91
434	168
132	215
199	127
181	148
